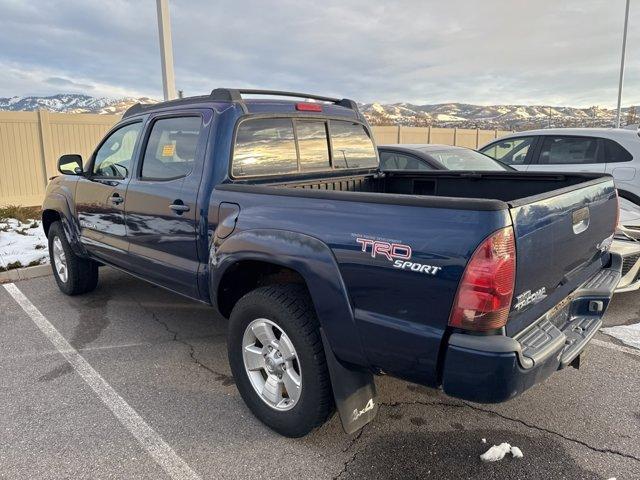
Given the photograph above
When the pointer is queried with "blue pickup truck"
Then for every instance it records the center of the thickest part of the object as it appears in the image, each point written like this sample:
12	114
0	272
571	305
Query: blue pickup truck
330	271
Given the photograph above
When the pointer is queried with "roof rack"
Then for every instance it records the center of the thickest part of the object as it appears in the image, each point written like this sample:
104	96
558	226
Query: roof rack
235	95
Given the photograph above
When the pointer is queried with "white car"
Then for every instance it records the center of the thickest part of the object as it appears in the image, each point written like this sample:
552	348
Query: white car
600	150
627	243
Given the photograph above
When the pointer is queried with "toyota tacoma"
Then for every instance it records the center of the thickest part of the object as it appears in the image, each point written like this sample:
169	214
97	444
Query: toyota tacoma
329	270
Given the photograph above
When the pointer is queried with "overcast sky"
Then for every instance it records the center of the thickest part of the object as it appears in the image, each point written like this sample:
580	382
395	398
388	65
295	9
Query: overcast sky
558	52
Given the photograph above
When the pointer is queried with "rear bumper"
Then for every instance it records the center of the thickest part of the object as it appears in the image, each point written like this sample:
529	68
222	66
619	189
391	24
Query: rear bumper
496	368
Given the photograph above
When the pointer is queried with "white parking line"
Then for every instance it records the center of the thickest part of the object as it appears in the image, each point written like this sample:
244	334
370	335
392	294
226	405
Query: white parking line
153	443
613	346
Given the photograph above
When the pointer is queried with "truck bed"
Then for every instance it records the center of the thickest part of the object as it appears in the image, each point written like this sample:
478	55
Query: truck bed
513	188
554	254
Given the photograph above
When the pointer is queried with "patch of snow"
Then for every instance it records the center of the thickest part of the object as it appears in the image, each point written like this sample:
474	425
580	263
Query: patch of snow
376	107
498	452
484	440
516	452
629	334
22	242
443	117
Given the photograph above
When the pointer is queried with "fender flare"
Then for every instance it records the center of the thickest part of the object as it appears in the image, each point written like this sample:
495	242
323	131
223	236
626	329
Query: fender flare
59	203
315	262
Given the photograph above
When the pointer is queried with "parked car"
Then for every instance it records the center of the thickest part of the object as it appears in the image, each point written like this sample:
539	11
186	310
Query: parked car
435	157
275	212
599	150
627	244
446	157
629	223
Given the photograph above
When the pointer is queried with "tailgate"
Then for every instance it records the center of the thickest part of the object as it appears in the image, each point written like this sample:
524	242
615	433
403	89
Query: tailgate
562	239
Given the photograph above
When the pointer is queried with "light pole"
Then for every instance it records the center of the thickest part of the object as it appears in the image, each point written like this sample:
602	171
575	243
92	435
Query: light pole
166	50
624	47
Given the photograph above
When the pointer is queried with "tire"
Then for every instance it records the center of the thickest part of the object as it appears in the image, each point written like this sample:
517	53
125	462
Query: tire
79	275
289	309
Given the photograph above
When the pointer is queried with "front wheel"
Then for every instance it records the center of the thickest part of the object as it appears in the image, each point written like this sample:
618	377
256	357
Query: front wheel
74	275
277	359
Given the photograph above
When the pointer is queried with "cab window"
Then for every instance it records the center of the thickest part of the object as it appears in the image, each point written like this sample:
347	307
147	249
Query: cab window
313	145
276	146
265	147
113	158
351	145
171	148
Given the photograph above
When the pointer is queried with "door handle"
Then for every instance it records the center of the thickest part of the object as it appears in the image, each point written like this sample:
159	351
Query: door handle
116	199
179	207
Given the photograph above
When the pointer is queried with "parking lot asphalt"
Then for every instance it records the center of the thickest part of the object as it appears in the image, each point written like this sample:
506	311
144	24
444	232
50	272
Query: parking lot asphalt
165	357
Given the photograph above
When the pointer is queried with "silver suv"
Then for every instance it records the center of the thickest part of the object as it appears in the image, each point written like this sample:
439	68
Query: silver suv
601	150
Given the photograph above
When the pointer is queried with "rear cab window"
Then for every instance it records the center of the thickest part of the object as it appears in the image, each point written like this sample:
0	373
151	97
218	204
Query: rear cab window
313	145
280	146
352	146
265	147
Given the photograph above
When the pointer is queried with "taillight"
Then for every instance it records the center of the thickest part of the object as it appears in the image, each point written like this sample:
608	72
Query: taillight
308	107
484	295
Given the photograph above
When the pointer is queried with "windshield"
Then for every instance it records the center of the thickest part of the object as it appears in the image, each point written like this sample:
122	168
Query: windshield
464	159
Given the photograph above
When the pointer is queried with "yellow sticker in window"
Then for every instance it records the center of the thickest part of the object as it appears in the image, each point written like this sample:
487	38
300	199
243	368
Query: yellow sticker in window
168	150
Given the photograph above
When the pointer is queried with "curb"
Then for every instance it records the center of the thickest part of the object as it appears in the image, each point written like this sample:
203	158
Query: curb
25	273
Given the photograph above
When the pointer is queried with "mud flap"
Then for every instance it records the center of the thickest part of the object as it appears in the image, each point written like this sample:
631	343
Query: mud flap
354	391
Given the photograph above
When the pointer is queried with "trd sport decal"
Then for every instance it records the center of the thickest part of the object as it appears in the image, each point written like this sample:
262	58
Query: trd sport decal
397	253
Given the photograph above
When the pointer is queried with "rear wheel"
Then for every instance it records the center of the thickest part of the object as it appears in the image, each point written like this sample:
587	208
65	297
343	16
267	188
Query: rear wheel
277	359
74	275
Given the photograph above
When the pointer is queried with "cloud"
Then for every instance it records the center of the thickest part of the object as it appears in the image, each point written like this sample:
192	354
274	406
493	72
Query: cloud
543	52
68	84
19	79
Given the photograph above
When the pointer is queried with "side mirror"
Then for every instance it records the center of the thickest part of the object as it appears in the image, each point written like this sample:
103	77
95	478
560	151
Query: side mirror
70	164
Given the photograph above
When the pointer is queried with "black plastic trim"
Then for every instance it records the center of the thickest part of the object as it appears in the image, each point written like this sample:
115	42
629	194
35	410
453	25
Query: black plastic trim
366	197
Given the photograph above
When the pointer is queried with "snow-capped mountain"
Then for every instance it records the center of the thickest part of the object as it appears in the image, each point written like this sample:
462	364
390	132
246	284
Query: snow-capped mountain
71	103
510	117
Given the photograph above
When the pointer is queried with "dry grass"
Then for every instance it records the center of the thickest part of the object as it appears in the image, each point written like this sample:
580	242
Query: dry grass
21	214
11	266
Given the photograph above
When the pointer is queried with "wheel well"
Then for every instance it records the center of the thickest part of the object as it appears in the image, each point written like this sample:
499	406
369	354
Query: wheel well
247	275
48	217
